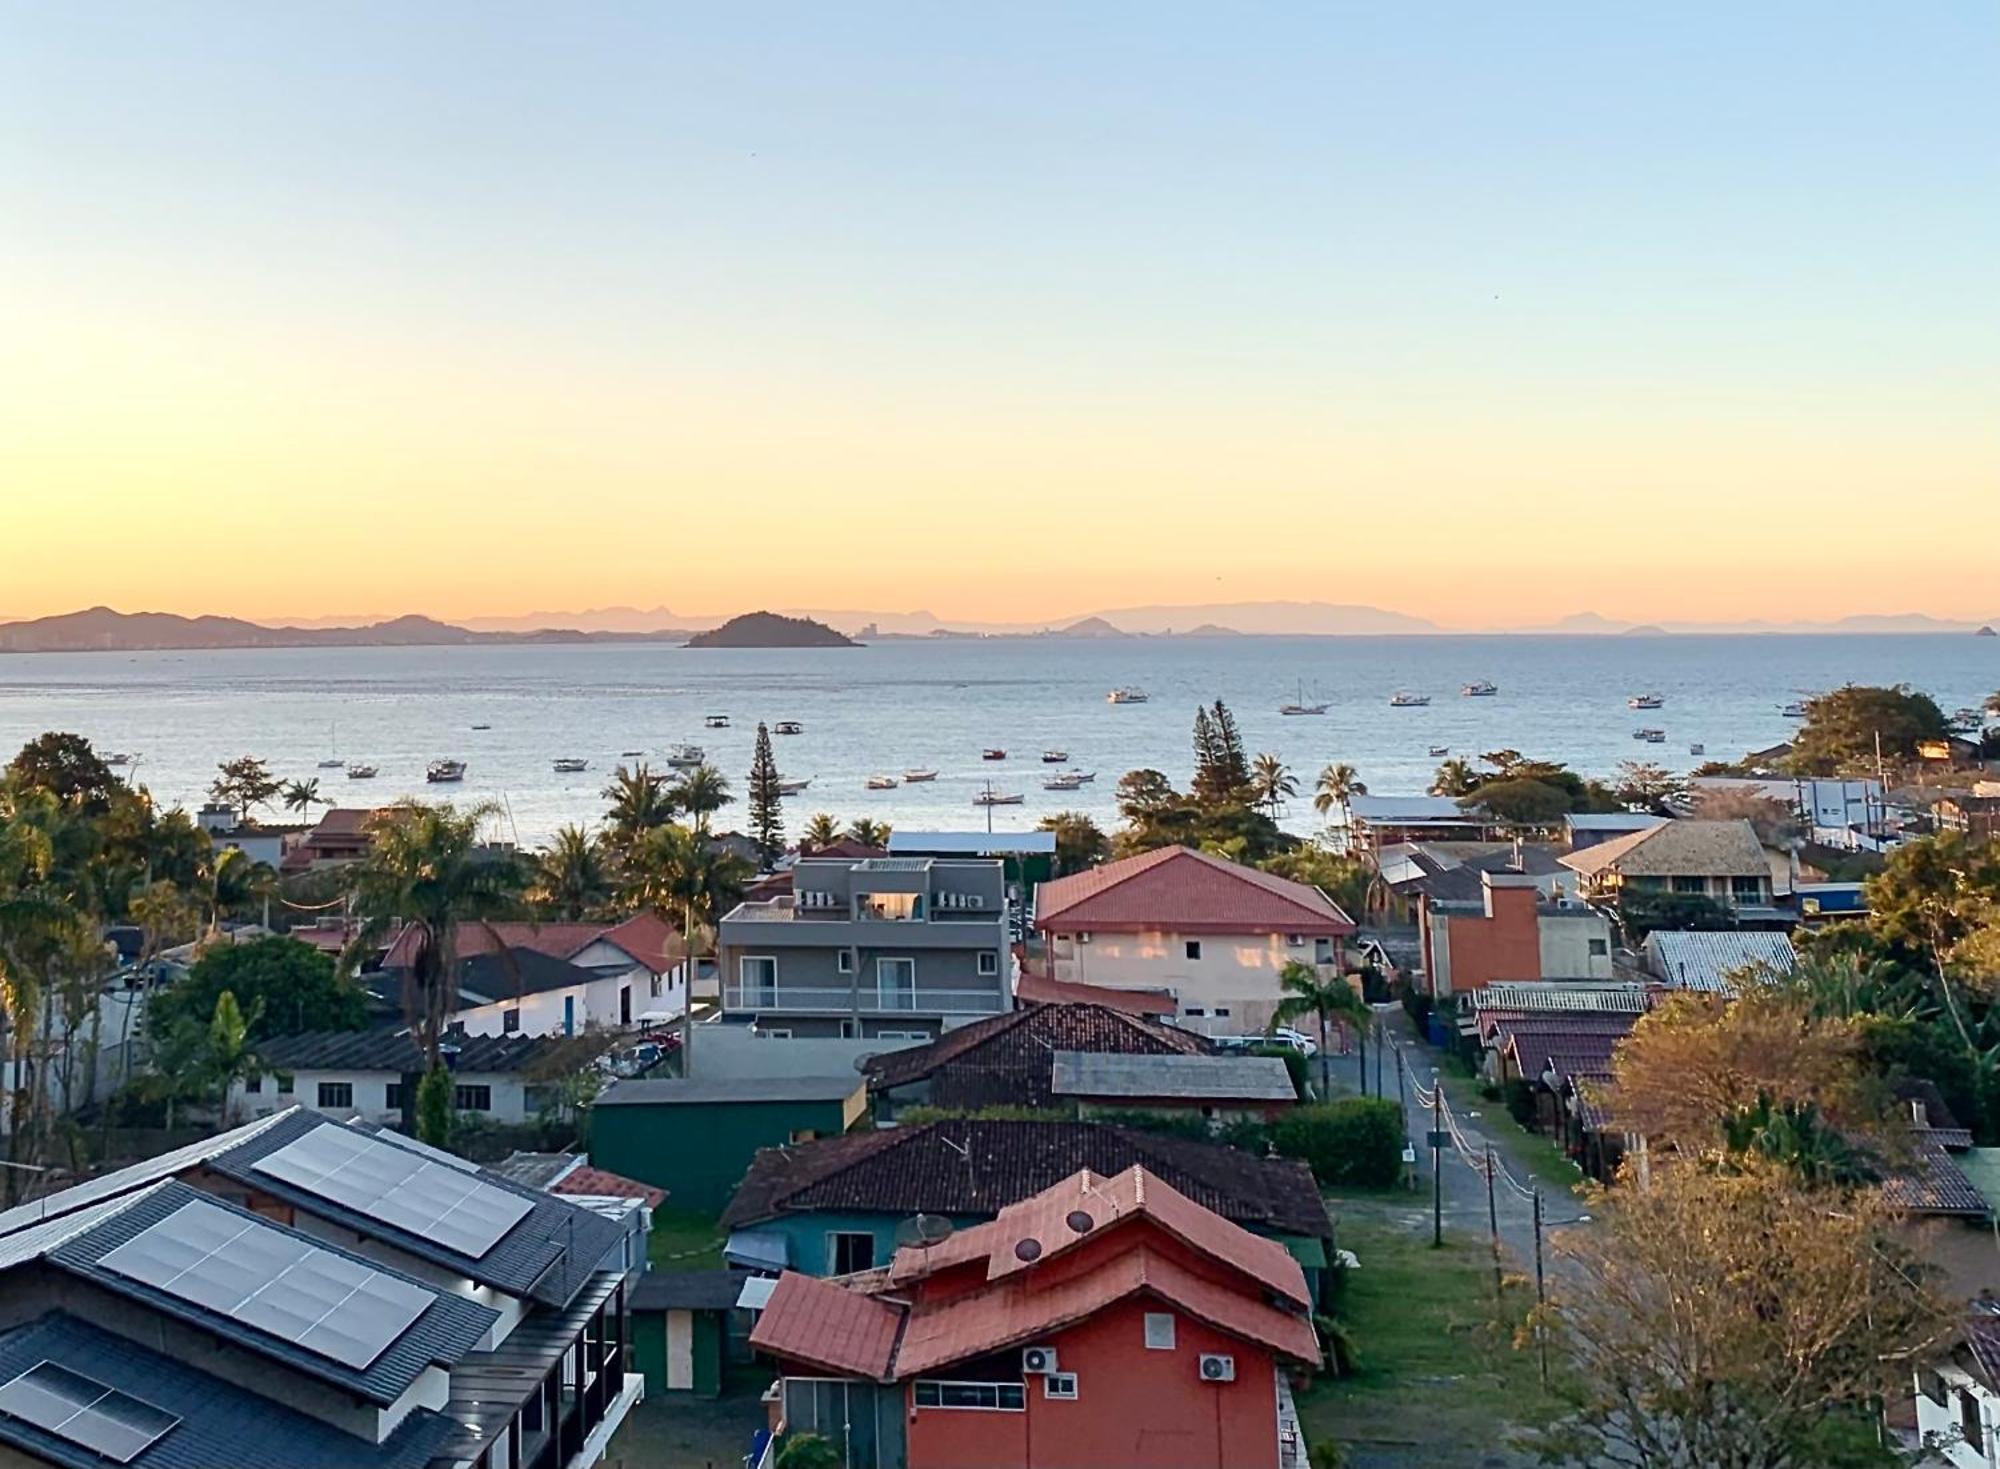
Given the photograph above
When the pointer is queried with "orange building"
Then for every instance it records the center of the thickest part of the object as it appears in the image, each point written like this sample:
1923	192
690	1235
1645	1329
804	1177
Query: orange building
1105	1321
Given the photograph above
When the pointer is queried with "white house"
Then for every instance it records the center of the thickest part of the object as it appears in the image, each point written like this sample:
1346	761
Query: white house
1212	934
362	1074
1958	1406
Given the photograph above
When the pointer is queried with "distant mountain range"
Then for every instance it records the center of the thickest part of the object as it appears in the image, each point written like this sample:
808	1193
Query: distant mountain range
103	629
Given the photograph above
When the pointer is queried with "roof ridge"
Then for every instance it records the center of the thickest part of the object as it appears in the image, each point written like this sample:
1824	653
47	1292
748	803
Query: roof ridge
1139	863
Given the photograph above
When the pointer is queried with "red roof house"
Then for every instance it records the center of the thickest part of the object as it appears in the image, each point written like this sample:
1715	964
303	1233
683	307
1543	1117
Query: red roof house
1212	934
1103	1321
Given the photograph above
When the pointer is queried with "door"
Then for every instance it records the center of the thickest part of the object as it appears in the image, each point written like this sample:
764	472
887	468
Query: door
680	1351
896	984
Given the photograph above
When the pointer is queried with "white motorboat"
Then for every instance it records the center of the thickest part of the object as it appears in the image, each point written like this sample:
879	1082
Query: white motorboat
1650	736
1055	757
1480	689
1697	749
571	765
881	782
1794	710
444	772
793	787
1403	700
788	726
1127	695
918	777
685	757
715	721
119	759
361	772
1645	701
1438	752
1069	781
998	798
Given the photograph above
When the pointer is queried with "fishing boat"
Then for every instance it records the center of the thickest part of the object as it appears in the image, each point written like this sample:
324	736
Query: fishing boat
118	759
793	787
1479	689
571	765
444	772
685	757
361	772
881	782
1127	695
788	726
1650	736
716	721
1300	706
1402	700
1794	710
1065	782
998	798
992	754
1083	777
918	777
1438	752
482	726
1055	757
1697	749
1645	701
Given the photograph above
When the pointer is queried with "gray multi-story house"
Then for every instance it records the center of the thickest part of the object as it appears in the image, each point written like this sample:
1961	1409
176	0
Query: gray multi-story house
896	947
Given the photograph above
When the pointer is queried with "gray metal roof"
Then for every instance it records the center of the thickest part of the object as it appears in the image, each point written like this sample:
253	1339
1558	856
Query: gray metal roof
222	1426
973	843
678	1091
449	1327
1612	820
1705	961
1193	1078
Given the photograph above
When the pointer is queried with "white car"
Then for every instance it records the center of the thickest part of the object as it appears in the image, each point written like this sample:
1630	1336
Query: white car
1298	1041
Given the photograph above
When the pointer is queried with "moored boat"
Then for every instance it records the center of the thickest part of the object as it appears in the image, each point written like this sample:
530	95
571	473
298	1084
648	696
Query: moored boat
1301	706
1480	689
881	782
793	787
1054	757
361	772
1069	781
1650	736
918	777
1794	710
1127	695
1697	748
1645	701
788	726
716	721
444	772
998	798
992	754
570	765
1438	752
685	757
1402	699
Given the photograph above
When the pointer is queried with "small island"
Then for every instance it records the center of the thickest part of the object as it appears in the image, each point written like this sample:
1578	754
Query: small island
1986	632
770	630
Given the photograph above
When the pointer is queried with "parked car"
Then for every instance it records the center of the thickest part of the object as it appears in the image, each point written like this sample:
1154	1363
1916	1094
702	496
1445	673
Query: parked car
1296	1040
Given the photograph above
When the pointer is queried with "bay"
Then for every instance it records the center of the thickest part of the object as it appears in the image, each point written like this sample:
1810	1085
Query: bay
938	703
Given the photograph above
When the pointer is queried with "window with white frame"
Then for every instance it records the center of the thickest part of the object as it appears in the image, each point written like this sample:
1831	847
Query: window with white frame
1159	1331
1004	1397
989	962
1060	1386
1295	941
848	1251
758	974
843	961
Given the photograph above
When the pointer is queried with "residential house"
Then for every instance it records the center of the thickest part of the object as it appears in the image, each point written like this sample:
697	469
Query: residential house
1027	858
1975	816
695	1136
1479	926
1722	861
835	1206
1583	829
1218	1089
265	844
1003	1060
1846	814
1367	823
1031	988
1408	871
1100	1321
1958	1400
1212	933
1710	961
1565	1059
313	1294
341	836
886	947
687	1328
372	1074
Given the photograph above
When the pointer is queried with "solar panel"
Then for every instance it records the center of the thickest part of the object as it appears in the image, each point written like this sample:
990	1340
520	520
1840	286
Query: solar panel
257	1274
400	1188
85	1411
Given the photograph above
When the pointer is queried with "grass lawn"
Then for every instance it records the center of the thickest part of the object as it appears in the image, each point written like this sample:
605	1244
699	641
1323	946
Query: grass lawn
1439	1381
683	1239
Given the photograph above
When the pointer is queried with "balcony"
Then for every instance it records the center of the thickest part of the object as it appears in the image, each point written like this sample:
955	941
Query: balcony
827	1000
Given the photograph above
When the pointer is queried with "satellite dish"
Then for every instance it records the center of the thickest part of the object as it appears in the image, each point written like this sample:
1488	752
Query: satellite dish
1080	1221
1028	1251
921	1231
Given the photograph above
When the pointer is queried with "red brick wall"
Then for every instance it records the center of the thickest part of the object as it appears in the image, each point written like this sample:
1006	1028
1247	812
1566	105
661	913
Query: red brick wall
1506	946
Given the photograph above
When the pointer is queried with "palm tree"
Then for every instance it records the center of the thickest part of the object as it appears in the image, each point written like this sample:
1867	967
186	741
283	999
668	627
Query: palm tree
1326	997
1454	778
868	833
425	875
1338	784
676	870
821	831
639	801
302	795
572	879
703	791
1271	783
230	1057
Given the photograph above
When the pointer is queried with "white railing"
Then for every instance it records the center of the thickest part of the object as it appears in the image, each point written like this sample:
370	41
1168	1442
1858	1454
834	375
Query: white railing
869	1000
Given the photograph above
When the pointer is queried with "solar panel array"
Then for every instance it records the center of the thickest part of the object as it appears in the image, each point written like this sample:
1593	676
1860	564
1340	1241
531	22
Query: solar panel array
257	1274
400	1188
85	1411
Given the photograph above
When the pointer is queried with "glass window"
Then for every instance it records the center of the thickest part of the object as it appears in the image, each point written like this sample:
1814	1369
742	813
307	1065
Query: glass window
847	1252
1691	885
1194	948
759	974
1060	1385
336	1094
1968	1421
254	1085
896	983
1295	941
392	1096
1159	1331
893	907
989	962
284	1084
844	961
1599	948
1746	889
1006	1397
472	1098
510	1020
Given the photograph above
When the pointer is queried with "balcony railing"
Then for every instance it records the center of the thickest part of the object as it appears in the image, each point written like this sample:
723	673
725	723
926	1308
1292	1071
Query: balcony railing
869	1000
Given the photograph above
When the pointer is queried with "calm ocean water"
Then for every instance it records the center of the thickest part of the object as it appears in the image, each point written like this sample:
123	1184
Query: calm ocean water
898	704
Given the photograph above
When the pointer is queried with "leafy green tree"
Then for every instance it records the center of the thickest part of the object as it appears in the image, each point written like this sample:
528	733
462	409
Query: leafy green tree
1305	992
437	1116
1647	786
425	874
229	1057
821	832
302	795
1841	729
767	806
1346	880
1354	1141
243	785
572	879
702	792
809	1451
283	987
1272	783
869	833
67	768
1521	800
639	801
1080	844
1641	912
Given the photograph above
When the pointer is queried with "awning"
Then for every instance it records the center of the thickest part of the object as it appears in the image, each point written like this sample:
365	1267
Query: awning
756	1292
757	1249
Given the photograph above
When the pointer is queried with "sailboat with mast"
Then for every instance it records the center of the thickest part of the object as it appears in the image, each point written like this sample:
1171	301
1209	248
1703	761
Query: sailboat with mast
1300	706
333	761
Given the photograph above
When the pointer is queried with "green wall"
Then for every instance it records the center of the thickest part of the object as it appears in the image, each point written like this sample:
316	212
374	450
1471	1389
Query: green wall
649	1349
698	1152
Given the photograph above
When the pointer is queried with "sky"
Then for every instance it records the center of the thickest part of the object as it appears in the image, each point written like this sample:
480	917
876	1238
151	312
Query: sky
1476	311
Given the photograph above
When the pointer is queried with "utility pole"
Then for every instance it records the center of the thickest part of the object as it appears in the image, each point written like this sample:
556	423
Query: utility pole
1541	1294
1437	1160
1402	1099
1380	1042
1493	1226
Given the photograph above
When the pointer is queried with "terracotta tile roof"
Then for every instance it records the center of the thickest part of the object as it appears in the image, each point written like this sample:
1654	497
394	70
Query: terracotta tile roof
1185	891
645	937
1678	849
1933	1183
965	1166
1040	989
602	1183
650	939
1003	1060
824	1325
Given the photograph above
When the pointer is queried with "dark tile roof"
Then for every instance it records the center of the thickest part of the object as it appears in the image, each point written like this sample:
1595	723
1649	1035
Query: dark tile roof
969	1167
395	1050
688	1290
485	978
1004	1060
549	1256
222	1426
450	1326
1933	1184
1982	1339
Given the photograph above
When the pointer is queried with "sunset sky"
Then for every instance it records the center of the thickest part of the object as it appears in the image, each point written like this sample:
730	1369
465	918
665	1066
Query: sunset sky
1480	311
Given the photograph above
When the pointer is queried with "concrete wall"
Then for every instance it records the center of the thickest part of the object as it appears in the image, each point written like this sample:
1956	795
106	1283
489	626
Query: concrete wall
510	1103
1566	940
1236	972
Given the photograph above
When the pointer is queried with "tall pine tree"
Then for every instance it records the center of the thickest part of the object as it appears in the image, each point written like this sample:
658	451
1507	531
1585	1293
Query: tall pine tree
767	815
1204	754
1221	768
1231	757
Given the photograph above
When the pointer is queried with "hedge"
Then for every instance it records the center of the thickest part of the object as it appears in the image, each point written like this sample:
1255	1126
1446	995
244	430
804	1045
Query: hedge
1358	1140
